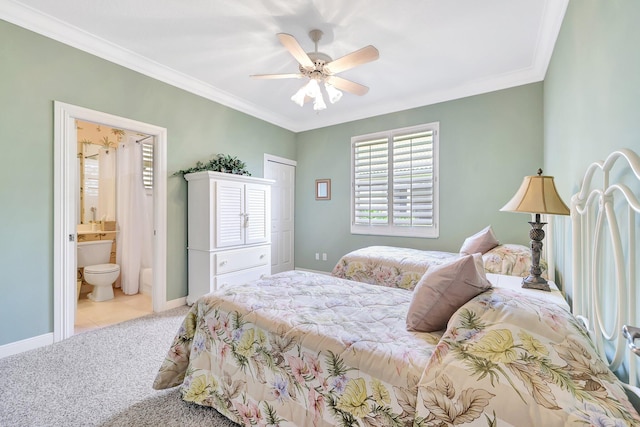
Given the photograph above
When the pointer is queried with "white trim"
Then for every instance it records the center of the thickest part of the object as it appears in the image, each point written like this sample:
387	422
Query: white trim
49	26
175	303
390	229
65	209
326	273
25	345
58	30
32	343
276	159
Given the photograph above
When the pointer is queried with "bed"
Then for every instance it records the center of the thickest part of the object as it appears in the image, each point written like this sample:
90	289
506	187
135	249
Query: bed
403	267
301	348
604	222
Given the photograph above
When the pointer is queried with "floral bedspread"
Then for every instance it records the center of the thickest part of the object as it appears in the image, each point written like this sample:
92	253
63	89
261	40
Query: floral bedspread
388	265
403	267
299	349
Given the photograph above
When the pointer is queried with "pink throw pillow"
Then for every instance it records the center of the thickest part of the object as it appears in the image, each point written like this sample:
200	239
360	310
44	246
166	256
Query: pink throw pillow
442	290
483	241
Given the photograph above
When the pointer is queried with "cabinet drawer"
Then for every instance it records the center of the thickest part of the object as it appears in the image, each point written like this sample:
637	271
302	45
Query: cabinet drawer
240	259
239	277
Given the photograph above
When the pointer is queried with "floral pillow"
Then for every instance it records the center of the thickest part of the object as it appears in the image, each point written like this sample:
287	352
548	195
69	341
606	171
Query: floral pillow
512	260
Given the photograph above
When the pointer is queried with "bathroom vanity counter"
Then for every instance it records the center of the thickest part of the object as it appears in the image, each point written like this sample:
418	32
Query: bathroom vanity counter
97	232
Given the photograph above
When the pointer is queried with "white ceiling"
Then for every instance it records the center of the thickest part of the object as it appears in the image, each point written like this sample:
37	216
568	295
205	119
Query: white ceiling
430	50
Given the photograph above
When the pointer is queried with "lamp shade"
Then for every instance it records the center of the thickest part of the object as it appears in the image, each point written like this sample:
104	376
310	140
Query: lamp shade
537	194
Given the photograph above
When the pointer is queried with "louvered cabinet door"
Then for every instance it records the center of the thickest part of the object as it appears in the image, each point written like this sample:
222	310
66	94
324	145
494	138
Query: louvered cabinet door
257	213
230	214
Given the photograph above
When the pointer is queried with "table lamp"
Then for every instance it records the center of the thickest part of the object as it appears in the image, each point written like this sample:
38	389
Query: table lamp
536	195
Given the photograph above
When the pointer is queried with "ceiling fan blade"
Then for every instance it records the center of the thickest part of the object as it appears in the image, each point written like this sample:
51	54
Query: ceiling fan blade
353	59
292	45
276	76
347	85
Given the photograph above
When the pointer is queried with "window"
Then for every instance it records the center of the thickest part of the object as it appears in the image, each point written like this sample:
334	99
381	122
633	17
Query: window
147	166
394	185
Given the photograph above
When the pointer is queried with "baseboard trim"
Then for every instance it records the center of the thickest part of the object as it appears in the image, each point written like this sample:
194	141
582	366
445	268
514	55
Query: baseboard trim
326	273
175	303
25	345
47	339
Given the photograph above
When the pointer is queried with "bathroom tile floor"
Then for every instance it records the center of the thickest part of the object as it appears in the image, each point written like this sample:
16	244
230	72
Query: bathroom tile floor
93	315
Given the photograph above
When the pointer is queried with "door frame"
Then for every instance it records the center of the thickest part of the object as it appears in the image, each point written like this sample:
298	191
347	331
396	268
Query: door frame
65	210
282	160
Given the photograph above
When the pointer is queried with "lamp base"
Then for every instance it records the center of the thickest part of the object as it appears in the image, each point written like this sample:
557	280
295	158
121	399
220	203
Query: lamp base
535	282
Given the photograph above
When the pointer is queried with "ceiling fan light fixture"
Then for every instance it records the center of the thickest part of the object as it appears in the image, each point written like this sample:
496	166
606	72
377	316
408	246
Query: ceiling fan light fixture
320	68
313	89
318	103
299	96
334	94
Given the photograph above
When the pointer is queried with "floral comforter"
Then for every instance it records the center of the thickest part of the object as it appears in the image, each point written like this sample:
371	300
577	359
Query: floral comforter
403	267
300	349
389	266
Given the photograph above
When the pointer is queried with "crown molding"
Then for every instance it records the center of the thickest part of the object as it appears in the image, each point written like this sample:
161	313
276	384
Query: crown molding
53	28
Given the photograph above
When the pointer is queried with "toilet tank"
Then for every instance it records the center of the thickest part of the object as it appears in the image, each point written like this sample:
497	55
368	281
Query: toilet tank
94	252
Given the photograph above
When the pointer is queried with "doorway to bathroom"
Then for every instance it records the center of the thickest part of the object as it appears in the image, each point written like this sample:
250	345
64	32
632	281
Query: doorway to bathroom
77	216
115	201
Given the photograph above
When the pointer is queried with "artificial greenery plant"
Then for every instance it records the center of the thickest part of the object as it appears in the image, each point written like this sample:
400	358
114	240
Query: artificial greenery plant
219	163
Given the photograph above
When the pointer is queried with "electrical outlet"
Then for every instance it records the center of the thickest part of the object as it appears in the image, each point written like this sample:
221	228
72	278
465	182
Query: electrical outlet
317	256
324	256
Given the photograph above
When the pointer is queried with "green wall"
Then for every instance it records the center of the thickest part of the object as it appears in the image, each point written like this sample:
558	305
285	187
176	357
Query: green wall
591	99
488	143
35	71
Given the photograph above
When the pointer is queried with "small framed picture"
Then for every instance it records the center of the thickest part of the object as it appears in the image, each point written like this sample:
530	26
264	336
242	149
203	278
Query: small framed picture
323	189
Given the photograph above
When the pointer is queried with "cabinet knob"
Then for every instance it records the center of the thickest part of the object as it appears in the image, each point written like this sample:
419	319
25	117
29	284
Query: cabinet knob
262	256
223	263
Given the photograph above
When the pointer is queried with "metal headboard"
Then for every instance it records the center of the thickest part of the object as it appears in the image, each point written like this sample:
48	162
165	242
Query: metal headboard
604	217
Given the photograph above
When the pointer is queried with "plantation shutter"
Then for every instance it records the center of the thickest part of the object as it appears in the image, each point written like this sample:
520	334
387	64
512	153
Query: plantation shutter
371	182
413	179
147	165
394	182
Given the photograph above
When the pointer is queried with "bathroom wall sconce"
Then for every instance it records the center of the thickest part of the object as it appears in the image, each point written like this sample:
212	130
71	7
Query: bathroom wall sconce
323	189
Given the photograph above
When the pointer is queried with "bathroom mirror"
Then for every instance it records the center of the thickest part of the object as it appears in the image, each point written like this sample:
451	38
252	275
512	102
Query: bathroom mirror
97	151
97	146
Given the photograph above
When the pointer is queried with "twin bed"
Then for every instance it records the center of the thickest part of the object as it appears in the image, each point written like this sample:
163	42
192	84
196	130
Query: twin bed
300	348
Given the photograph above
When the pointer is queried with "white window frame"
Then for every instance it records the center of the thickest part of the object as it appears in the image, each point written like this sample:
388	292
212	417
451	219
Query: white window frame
389	229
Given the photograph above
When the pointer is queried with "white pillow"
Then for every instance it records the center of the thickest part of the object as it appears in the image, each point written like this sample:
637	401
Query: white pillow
442	290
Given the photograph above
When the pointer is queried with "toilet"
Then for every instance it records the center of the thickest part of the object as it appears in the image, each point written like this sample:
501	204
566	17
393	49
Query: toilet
94	257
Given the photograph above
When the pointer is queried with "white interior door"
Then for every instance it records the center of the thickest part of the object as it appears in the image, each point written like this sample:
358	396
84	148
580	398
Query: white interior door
283	172
66	210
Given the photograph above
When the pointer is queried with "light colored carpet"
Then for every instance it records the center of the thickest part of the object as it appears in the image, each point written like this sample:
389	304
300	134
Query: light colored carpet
100	378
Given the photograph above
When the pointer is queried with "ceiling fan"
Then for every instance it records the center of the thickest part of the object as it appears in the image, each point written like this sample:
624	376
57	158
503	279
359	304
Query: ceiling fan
320	68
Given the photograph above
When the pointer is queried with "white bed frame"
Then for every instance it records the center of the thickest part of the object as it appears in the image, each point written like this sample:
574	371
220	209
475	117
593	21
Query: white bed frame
604	217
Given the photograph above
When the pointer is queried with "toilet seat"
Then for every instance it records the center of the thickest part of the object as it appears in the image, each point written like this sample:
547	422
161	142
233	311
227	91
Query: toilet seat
101	268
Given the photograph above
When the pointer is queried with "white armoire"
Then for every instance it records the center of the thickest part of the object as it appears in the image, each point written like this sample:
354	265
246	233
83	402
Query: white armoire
229	230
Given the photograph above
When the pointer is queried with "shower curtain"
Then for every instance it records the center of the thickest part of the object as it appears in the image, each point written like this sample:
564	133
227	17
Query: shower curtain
131	214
